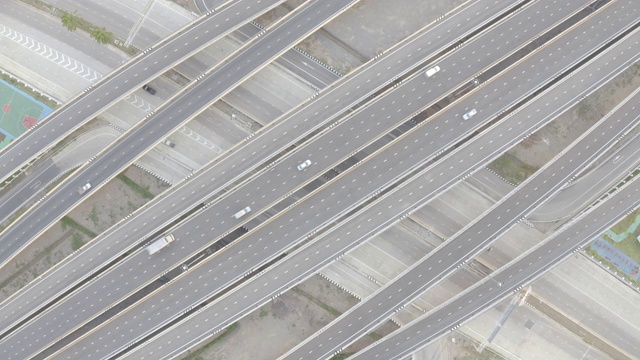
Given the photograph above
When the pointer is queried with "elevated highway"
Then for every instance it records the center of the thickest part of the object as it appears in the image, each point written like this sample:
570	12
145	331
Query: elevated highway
513	277
264	233
187	104
130	76
222	174
357	228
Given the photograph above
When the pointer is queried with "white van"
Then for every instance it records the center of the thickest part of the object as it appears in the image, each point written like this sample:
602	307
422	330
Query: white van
429	73
304	165
469	114
242	212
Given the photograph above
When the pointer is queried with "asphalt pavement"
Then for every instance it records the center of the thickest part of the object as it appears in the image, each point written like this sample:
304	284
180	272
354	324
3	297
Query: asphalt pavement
262	234
512	277
586	189
209	228
348	92
467	243
123	80
158	124
308	260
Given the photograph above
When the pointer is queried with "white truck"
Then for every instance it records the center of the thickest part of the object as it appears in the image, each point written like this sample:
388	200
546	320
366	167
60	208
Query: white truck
155	246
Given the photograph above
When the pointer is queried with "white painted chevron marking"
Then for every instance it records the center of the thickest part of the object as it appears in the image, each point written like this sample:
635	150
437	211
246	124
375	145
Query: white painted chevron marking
51	54
76	65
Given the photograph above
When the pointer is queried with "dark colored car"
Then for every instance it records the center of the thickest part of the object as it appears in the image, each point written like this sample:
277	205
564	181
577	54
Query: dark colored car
149	89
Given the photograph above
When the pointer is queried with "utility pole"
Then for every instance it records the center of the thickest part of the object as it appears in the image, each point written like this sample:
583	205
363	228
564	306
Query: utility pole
134	30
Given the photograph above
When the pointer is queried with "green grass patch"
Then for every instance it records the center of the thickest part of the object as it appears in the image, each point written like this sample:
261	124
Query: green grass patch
68	223
76	241
341	356
196	354
93	216
512	169
328	308
263	313
625	223
143	191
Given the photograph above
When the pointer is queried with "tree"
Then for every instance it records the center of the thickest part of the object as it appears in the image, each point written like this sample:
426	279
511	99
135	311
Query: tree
101	35
70	21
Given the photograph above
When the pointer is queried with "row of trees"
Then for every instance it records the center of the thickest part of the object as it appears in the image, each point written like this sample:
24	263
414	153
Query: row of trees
71	22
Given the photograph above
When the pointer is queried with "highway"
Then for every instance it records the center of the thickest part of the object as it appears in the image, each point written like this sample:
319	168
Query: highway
345	94
467	243
241	258
125	79
163	121
210	229
206	224
585	190
513	277
308	260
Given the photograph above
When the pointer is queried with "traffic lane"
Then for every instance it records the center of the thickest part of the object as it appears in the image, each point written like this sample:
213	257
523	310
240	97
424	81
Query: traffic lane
345	94
597	318
263	109
335	198
480	297
130	145
584	190
312	71
305	20
442	136
228	309
28	188
131	76
206	5
294	60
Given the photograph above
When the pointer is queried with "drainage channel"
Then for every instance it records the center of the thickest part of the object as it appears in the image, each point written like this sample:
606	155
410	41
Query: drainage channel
336	171
266	164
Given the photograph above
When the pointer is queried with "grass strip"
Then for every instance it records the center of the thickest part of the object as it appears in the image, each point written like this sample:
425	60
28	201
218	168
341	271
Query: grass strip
196	354
144	192
68	222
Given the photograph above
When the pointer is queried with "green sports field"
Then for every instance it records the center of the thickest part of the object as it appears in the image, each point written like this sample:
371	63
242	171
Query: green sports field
18	112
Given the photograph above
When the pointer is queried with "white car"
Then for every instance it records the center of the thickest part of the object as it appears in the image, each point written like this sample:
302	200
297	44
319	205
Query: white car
304	165
242	212
82	190
469	114
432	71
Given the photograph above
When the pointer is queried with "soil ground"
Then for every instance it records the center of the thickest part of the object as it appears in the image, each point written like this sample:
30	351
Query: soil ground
531	154
97	213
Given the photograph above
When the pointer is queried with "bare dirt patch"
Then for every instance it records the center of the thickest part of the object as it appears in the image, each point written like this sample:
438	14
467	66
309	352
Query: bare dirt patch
279	325
371	27
547	142
104	208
